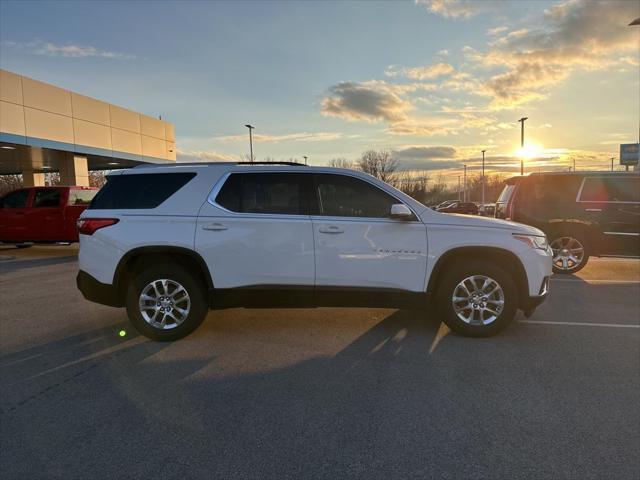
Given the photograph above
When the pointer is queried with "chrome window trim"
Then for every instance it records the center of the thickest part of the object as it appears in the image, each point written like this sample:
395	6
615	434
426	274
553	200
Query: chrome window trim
623	233
211	198
579	200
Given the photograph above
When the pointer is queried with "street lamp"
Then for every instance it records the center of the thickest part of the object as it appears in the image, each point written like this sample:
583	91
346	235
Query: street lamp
305	159
459	194
250	127
522	120
483	176
612	164
465	183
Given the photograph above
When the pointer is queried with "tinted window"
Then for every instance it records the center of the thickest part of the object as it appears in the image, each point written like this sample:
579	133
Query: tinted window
81	197
615	189
275	193
16	199
147	190
342	196
49	197
550	189
506	193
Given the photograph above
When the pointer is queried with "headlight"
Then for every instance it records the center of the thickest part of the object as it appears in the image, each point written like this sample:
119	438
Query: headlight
534	241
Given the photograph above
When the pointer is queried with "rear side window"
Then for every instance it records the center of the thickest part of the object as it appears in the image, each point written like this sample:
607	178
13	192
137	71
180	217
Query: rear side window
81	197
138	191
16	199
47	197
614	189
273	193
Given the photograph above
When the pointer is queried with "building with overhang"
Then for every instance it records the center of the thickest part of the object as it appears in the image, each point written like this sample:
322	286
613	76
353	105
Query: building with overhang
44	128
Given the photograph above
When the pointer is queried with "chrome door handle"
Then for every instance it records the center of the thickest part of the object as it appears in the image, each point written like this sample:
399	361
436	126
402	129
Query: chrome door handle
331	229
214	226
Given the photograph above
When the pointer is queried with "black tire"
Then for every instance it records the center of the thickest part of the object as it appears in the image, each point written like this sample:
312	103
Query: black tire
580	238
188	280
448	284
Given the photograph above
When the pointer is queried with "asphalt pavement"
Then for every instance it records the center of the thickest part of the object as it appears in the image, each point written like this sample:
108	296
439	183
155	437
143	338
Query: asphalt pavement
317	393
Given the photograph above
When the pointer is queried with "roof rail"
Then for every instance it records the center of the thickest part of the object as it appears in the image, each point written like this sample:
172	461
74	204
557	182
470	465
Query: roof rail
296	164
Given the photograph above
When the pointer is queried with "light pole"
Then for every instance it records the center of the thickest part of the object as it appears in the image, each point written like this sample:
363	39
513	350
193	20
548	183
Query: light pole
612	164
305	159
522	120
250	127
459	195
574	164
465	184
483	176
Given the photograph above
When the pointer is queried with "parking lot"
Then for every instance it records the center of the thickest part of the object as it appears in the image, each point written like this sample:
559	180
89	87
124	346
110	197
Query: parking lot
324	393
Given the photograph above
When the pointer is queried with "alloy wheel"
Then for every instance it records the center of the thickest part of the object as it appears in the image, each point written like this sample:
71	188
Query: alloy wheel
478	300
164	304
568	253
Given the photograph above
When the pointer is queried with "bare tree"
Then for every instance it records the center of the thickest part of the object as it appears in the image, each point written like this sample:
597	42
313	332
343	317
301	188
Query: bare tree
342	162
379	163
97	178
9	183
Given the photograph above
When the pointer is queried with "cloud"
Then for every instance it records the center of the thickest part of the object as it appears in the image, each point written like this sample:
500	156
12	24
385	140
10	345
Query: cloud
421	73
459	8
290	137
573	35
425	152
371	101
69	50
204	156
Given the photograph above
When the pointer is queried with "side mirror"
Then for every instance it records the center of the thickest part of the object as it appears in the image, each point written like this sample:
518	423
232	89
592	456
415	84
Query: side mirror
400	211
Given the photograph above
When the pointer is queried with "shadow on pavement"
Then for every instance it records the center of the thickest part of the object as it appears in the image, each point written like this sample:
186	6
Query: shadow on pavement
389	405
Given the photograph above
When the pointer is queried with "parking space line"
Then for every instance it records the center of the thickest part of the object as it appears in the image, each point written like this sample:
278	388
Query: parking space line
581	324
589	280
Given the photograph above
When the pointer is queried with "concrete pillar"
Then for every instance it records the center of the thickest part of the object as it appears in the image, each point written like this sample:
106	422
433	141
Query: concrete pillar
74	171
31	167
32	179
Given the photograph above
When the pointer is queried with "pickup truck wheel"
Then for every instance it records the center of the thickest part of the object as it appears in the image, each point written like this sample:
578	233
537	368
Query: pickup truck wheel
570	253
477	299
166	303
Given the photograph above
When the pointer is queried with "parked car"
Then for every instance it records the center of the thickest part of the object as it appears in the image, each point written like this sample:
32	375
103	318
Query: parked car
443	204
467	208
170	242
42	214
487	210
583	214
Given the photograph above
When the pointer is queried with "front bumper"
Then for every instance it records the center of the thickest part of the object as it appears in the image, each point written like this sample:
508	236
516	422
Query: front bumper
530	303
97	292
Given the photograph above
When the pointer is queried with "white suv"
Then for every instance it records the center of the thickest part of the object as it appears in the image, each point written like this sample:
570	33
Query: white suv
170	242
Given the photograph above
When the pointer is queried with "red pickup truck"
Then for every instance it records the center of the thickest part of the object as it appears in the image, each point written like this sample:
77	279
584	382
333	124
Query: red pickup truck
43	214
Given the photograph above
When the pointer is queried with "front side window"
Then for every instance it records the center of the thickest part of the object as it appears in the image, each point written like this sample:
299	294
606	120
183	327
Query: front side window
614	189
266	193
16	199
49	197
343	196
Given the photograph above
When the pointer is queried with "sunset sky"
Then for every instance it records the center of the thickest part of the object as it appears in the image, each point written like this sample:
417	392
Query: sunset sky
433	81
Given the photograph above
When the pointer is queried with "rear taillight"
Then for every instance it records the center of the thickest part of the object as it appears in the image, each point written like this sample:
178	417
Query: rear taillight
87	226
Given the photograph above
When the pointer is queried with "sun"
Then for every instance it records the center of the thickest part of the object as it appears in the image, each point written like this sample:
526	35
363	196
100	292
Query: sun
529	151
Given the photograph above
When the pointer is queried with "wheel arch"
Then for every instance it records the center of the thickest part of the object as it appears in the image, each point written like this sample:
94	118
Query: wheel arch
133	259
497	254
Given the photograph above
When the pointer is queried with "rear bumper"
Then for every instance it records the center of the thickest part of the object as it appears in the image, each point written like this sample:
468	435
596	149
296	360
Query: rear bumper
97	292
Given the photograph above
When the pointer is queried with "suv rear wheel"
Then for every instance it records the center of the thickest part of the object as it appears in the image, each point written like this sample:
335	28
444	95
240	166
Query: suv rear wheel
166	302
477	299
570	252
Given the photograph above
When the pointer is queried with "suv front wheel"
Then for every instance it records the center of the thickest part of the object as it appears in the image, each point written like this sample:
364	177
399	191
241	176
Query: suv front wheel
477	299
166	303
